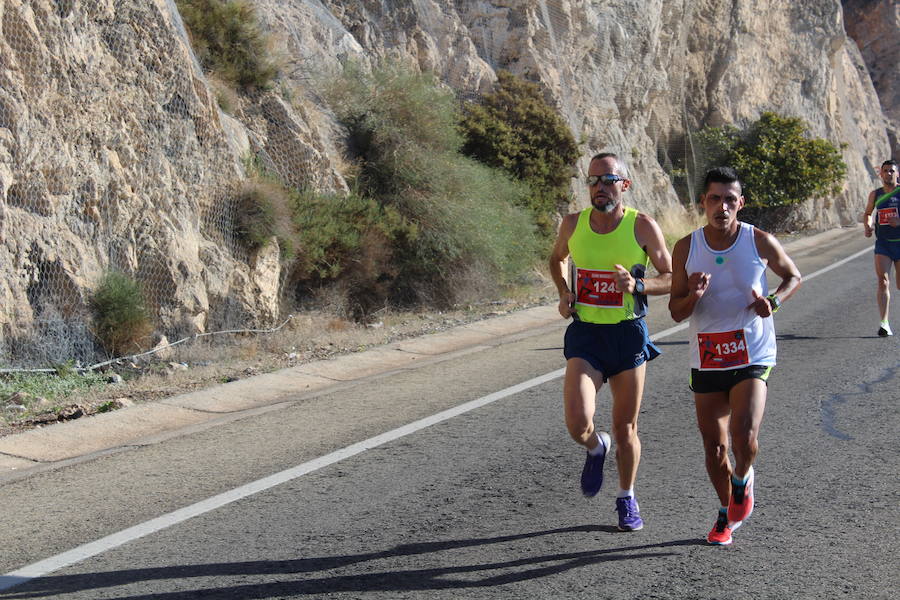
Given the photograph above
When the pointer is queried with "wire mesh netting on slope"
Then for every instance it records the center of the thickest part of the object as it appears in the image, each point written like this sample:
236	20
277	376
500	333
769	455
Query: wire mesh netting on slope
123	148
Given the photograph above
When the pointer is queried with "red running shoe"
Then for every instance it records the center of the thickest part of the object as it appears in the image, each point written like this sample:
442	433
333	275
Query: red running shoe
740	505
721	532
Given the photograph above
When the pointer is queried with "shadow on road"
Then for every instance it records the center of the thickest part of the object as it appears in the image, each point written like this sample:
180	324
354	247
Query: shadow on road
465	576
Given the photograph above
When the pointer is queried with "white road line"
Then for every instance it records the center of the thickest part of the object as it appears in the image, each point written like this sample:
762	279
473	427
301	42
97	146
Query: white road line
109	542
843	261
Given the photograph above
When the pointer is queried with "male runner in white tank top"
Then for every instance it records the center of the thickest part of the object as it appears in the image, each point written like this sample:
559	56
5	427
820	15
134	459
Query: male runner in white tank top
719	281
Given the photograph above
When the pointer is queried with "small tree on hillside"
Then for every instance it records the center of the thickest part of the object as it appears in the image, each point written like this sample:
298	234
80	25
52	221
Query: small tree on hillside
779	165
428	224
514	129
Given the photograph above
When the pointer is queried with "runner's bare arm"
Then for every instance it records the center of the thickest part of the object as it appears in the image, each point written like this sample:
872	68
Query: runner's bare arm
686	290
558	257
771	250
867	215
650	237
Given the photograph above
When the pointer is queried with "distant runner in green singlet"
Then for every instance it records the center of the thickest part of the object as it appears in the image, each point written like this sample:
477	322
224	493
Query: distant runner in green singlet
884	205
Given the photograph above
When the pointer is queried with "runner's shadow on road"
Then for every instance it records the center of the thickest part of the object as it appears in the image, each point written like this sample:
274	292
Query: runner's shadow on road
310	577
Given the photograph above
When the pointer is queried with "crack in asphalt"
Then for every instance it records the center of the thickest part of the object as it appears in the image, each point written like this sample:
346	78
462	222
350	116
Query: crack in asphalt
829	407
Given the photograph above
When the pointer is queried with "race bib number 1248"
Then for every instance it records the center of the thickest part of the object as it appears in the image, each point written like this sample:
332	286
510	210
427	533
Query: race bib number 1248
598	288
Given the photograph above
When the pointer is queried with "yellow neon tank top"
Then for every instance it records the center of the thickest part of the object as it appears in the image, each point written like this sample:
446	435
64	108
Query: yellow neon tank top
598	299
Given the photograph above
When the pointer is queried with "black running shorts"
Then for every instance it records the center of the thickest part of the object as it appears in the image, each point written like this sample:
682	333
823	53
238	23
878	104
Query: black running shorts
708	382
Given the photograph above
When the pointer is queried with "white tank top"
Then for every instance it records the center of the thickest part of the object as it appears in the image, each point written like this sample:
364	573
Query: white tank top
724	333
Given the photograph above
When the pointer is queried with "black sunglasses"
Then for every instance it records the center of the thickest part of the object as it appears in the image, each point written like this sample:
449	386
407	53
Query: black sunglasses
607	179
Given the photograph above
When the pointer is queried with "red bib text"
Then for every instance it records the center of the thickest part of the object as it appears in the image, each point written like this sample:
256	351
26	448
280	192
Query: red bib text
598	288
723	350
884	215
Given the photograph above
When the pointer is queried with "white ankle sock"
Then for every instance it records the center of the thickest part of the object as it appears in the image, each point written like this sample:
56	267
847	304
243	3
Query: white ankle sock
625	493
599	448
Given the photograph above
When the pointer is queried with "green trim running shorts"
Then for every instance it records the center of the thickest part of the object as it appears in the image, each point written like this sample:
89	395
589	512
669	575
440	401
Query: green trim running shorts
708	382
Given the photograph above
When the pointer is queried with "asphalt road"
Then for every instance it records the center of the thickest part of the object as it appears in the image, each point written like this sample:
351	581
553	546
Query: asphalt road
486	504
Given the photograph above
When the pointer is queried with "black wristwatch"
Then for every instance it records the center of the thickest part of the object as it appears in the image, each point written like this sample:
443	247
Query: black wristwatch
638	286
774	302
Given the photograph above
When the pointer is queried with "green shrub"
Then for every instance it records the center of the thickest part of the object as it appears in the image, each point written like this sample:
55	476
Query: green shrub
455	223
474	222
228	40
332	231
514	129
121	319
264	211
396	122
352	241
49	386
779	165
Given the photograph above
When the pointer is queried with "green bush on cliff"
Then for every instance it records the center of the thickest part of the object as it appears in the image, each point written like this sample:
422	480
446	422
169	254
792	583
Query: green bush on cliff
514	129
779	164
323	237
121	319
456	225
350	241
398	122
227	38
264	213
338	232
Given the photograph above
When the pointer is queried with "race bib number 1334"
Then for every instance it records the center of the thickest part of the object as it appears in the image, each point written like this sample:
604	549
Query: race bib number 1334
723	350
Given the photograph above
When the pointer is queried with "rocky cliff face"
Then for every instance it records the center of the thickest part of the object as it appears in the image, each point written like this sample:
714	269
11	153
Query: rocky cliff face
874	25
114	153
640	77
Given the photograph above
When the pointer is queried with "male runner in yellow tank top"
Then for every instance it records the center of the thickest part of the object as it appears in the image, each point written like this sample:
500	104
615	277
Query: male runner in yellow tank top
608	340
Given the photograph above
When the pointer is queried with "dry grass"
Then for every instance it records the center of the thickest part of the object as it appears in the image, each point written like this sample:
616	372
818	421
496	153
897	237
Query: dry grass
213	360
226	96
678	221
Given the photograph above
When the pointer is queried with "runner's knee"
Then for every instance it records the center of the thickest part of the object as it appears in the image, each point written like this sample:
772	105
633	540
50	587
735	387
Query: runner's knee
715	449
581	431
625	433
745	441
